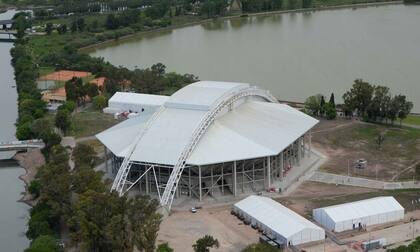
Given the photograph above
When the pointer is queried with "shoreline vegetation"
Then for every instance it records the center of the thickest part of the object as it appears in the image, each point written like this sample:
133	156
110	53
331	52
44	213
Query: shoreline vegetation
69	198
106	43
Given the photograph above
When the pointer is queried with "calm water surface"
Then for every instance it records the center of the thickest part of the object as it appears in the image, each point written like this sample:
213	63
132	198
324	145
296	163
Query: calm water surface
13	214
293	55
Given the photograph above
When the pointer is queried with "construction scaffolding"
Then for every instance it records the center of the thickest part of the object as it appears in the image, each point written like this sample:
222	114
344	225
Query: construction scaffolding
216	180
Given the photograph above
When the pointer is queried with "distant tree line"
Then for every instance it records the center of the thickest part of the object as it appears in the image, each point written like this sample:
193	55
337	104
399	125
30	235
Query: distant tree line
375	103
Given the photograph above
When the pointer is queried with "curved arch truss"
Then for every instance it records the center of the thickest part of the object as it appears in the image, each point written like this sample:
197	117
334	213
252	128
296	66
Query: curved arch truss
121	185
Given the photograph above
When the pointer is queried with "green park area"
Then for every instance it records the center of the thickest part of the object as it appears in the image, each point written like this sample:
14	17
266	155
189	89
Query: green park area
412	119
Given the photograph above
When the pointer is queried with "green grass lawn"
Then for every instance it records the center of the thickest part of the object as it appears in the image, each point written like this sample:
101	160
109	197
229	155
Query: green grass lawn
90	122
414	120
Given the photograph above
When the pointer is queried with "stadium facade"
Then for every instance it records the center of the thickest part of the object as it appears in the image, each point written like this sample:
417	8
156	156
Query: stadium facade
208	139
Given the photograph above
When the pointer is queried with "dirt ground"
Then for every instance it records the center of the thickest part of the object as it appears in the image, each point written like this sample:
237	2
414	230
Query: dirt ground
345	141
182	229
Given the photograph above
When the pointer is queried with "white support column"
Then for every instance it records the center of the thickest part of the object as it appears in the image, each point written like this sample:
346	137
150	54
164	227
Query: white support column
234	178
147	182
310	143
268	172
106	159
199	181
189	182
281	165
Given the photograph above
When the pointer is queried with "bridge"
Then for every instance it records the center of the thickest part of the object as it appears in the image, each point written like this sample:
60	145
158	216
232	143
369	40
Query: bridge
22	145
5	29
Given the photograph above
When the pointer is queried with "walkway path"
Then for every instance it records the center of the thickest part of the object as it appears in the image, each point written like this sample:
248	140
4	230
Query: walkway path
329	178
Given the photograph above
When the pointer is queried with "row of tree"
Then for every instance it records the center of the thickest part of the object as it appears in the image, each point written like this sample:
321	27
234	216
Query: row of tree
78	200
375	103
316	106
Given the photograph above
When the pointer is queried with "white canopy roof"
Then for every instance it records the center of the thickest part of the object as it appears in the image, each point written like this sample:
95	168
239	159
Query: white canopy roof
136	98
254	128
363	208
276	217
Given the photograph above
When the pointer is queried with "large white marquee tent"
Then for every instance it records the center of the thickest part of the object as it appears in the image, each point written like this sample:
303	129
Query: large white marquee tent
207	139
277	221
359	214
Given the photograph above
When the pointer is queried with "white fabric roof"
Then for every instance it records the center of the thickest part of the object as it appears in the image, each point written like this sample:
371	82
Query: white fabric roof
363	208
277	217
252	129
201	95
136	98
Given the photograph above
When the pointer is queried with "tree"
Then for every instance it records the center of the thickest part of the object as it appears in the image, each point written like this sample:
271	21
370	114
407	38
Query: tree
49	28
84	154
75	90
292	4
330	111
73	27
100	102
34	188
91	89
306	3
111	86
98	218
205	243
111	22
145	223
313	104
332	100
404	107
164	247
322	106
62	29
44	243
81	24
84	178
62	120
359	97
379	106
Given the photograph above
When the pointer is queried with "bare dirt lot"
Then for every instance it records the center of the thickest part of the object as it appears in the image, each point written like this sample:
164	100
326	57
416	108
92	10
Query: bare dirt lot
182	229
345	141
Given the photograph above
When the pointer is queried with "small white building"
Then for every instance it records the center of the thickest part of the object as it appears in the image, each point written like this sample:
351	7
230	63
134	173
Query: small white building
359	214
277	221
134	102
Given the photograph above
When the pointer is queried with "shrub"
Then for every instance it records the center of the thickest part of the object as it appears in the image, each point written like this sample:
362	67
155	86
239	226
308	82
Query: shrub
35	188
100	102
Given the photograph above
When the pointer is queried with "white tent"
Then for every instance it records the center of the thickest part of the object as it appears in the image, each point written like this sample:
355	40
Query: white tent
253	129
135	102
359	214
277	221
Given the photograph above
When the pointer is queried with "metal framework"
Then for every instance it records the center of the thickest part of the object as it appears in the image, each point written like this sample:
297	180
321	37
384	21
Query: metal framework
223	179
122	185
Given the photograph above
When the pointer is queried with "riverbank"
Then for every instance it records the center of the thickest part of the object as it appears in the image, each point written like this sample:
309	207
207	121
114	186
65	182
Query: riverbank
89	48
30	161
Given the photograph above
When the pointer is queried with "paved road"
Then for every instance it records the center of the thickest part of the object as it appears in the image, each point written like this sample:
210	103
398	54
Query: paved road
329	178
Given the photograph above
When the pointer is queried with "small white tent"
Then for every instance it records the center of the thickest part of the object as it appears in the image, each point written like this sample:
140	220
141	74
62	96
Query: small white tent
359	214
277	221
134	102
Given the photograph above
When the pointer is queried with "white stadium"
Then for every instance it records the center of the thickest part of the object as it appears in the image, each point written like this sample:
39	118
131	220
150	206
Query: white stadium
207	140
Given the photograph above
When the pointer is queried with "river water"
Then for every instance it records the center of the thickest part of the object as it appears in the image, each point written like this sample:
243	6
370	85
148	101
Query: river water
294	55
13	214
